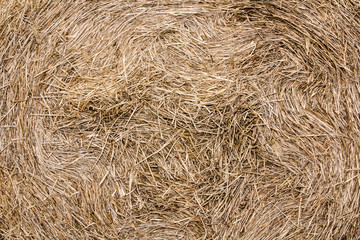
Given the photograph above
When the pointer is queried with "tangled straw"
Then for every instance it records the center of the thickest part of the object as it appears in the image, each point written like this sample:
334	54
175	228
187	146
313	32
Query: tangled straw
180	120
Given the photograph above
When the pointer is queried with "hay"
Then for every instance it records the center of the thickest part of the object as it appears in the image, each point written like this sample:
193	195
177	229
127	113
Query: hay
172	120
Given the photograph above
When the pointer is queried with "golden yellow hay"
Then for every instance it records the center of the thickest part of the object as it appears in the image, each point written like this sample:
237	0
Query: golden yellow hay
180	120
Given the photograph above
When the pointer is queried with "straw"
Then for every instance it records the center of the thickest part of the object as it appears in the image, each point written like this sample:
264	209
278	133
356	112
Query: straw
179	120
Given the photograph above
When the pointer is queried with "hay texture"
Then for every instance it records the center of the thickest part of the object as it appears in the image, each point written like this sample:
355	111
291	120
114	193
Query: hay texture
180	120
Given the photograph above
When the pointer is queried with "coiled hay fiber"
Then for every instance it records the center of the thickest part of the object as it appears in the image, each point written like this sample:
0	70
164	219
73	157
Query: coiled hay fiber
179	120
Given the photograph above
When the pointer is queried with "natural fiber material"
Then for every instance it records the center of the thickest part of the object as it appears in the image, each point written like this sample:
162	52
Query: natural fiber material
180	120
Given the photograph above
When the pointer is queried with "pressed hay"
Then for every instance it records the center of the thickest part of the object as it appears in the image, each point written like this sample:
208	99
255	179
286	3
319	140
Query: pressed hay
180	120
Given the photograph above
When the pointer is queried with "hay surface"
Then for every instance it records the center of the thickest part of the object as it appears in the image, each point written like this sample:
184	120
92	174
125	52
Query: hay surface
179	120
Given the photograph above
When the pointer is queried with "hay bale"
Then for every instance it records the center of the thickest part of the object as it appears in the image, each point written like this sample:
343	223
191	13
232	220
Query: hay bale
172	120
